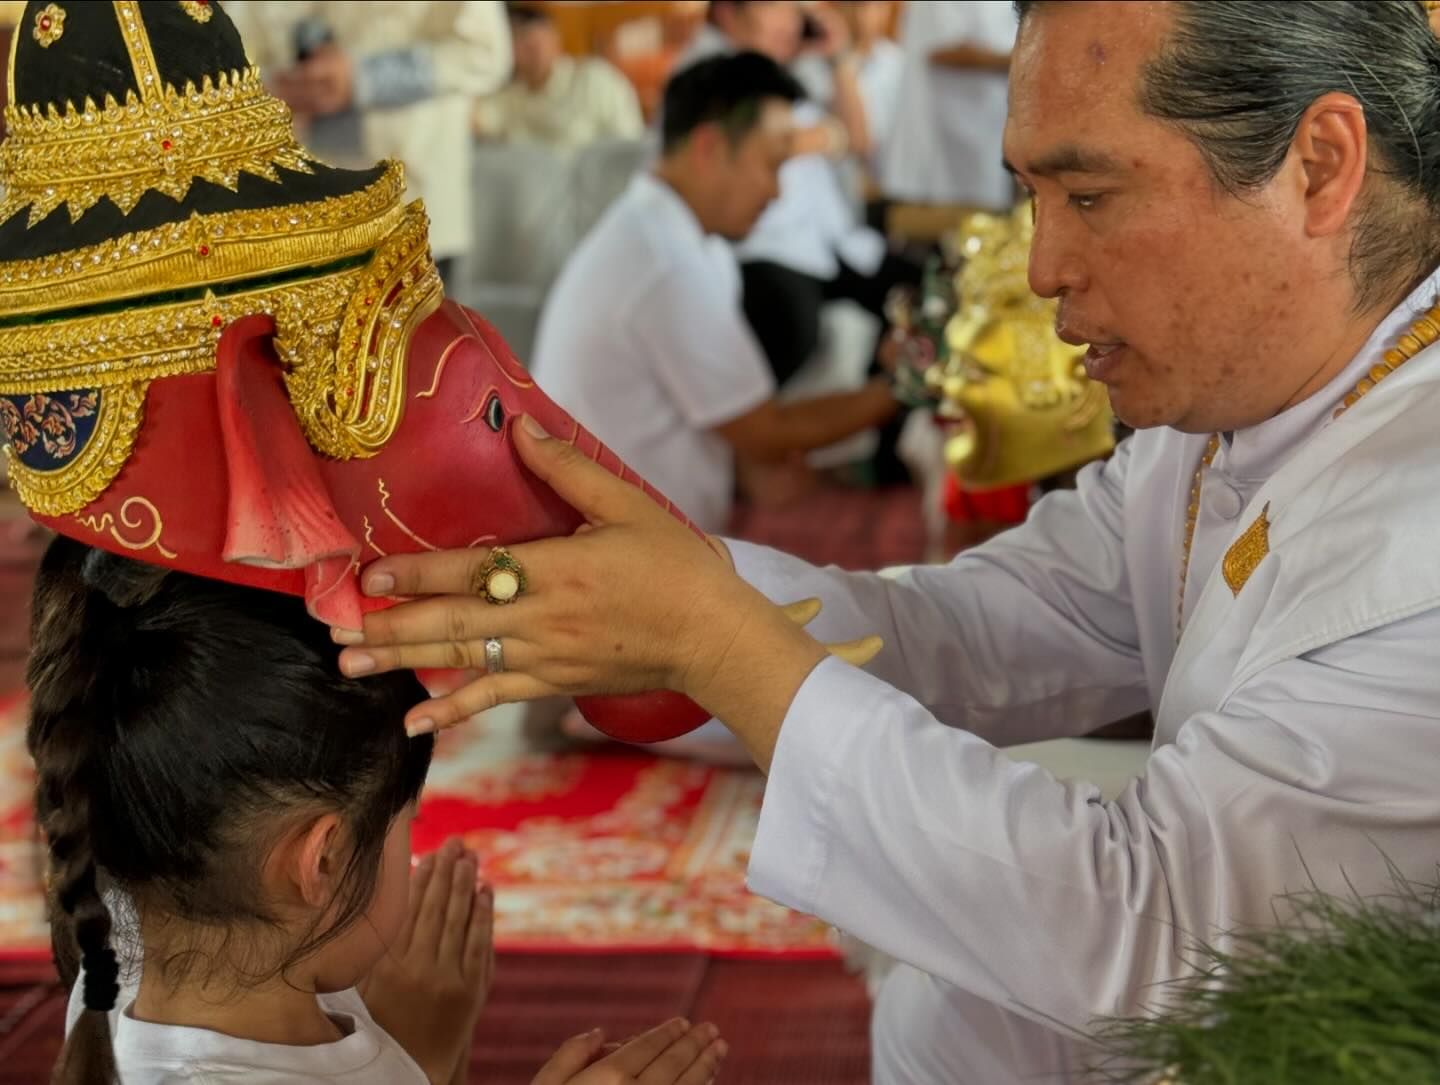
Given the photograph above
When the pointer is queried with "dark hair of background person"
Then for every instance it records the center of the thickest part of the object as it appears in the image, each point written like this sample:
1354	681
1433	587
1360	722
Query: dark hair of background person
179	726
729	90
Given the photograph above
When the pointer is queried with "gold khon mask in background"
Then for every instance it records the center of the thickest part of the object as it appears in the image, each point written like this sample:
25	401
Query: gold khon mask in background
1015	399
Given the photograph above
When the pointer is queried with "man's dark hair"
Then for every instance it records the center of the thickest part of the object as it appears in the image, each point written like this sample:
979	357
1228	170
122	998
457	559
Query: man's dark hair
726	90
527	14
1236	77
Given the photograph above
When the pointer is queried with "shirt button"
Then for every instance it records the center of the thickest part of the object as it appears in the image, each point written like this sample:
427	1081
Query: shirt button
1224	501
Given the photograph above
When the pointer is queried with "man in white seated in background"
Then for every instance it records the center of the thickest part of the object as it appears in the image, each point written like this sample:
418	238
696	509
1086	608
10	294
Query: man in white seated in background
809	247
643	339
555	99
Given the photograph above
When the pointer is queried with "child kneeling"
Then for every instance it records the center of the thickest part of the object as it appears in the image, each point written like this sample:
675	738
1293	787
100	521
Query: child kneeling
203	767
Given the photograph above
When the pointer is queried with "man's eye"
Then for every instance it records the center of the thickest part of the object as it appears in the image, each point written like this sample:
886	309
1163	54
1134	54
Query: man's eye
1085	201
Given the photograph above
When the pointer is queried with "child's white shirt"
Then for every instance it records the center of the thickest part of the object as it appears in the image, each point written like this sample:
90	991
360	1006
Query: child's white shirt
151	1054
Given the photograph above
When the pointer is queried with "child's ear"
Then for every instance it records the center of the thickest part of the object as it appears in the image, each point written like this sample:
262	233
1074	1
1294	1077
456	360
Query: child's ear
309	863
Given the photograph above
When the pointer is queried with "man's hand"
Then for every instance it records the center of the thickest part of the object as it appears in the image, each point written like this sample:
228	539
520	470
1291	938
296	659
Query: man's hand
673	1054
429	988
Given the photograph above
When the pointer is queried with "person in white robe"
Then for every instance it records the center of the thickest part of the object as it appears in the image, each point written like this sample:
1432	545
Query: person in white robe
1235	205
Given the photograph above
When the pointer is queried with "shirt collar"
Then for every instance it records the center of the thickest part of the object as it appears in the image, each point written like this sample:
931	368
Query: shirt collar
1257	452
681	225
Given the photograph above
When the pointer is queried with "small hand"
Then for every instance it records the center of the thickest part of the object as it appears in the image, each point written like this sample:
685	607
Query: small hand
428	989
673	1054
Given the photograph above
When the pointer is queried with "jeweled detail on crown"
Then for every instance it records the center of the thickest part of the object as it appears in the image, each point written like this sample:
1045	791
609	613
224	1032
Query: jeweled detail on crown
78	155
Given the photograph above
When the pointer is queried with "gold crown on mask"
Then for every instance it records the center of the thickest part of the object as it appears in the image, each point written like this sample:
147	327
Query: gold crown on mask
137	229
1018	399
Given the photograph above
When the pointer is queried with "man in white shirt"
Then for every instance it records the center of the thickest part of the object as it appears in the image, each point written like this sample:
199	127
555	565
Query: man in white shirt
642	338
809	247
555	99
945	145
1235	204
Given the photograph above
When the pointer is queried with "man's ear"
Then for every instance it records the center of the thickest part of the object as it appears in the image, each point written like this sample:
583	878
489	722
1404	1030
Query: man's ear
1331	145
308	863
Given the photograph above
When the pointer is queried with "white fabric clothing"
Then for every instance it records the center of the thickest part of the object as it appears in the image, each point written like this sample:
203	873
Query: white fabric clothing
1297	721
466	48
643	340
585	100
151	1054
945	146
811	225
881	70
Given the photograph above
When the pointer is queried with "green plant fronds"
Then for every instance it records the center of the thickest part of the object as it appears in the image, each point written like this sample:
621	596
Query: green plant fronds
1340	992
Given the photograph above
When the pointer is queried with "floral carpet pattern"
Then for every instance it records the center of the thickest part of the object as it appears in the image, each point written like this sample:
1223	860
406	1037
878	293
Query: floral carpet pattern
606	851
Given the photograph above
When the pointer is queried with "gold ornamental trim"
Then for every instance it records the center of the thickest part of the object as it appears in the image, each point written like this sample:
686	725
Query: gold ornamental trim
206	250
163	142
342	336
346	371
82	480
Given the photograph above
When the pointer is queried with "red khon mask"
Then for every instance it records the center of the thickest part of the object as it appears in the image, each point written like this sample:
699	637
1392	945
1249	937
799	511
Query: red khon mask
224	357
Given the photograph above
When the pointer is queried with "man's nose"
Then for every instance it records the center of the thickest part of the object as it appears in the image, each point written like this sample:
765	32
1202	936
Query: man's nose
1056	263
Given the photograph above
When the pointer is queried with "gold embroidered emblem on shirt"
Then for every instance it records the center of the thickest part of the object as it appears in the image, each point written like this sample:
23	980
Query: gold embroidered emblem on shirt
1247	552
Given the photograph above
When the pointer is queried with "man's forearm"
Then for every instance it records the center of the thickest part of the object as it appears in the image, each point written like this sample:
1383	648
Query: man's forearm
814	423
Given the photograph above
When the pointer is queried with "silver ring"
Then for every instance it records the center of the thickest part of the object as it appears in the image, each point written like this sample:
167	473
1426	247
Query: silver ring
494	656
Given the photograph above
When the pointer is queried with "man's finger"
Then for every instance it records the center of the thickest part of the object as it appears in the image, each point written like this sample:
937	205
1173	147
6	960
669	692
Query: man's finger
474	698
592	491
440	572
465	655
447	617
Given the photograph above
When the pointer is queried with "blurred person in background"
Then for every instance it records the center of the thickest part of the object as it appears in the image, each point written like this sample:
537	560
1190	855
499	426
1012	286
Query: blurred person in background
553	98
877	62
809	246
643	339
950	117
387	79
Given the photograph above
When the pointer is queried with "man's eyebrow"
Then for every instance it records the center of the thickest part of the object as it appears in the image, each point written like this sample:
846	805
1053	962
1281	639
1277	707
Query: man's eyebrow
1070	158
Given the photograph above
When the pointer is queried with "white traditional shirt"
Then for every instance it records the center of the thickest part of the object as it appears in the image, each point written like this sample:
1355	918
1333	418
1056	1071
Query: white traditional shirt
812	224
585	99
945	146
1297	720
643	340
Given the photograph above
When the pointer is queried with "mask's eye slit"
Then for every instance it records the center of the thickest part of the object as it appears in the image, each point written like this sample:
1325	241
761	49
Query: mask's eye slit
495	414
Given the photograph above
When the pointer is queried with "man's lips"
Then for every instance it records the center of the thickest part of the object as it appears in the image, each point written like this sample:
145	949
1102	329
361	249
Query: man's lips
1103	359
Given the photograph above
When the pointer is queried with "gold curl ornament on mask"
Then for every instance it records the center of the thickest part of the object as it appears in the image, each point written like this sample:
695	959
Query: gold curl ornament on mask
1015	400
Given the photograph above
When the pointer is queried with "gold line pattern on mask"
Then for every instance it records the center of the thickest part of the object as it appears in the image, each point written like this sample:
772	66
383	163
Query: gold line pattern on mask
207	250
106	523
